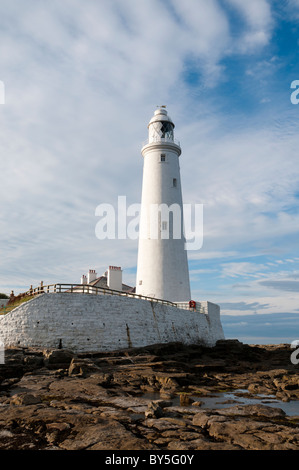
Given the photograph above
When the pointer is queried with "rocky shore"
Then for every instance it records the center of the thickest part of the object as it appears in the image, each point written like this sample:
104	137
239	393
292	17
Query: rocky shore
151	398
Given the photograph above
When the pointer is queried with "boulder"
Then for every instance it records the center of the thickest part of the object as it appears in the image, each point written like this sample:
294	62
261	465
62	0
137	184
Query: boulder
185	399
154	410
24	399
58	358
84	367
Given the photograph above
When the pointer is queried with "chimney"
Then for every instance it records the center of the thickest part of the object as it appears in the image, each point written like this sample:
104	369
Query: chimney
91	276
114	278
83	279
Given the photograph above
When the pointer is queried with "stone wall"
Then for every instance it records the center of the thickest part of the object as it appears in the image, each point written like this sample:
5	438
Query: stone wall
82	322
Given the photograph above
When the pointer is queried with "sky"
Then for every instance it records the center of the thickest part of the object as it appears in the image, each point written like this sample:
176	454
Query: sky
83	79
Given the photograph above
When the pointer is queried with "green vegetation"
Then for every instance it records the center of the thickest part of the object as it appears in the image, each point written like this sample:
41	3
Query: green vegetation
3	296
10	307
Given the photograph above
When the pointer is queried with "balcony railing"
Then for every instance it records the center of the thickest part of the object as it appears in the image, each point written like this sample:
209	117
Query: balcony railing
154	140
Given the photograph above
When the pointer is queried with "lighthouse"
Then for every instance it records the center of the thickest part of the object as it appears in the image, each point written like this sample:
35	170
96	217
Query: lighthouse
162	267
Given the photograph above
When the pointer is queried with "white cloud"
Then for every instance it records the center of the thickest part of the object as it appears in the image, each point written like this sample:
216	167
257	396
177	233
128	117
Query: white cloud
205	31
292	7
256	12
82	79
258	18
242	269
258	281
246	179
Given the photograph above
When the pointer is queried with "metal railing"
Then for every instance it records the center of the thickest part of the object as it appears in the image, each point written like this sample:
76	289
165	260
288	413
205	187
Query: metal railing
186	306
154	140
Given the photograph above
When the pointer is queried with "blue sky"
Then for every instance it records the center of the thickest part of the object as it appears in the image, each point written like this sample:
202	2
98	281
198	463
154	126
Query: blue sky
82	80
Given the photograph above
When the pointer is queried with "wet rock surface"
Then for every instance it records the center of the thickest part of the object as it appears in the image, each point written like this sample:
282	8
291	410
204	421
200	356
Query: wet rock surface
148	398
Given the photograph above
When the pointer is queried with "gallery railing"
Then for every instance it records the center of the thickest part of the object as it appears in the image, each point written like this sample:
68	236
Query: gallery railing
154	140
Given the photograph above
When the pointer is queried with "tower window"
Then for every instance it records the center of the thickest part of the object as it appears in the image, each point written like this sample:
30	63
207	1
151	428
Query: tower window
174	182
163	157
140	283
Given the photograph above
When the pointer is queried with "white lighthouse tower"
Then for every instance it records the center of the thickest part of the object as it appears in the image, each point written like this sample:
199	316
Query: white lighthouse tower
162	268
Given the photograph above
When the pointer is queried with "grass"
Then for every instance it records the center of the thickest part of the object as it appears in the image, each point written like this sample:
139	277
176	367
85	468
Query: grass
9	308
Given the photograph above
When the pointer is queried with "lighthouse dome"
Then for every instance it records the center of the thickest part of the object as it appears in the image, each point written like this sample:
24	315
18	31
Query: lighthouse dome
161	126
161	115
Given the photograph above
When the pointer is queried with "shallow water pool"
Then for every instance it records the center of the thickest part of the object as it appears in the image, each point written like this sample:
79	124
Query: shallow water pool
228	399
234	397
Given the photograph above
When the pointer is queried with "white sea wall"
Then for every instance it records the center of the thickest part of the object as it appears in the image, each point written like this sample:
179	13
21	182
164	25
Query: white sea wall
87	322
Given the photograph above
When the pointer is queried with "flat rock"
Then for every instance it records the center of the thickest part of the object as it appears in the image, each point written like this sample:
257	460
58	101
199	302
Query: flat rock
130	399
253	410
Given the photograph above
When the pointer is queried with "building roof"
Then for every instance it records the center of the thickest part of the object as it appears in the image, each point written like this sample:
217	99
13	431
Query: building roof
102	282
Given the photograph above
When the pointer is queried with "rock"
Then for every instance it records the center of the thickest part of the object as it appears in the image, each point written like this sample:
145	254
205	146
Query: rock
160	424
58	358
204	419
33	361
105	380
253	410
54	399
167	383
82	367
154	410
163	403
55	432
5	433
9	382
283	396
105	436
14	363
166	394
24	399
57	427
14	356
185	399
197	403
237	432
254	388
